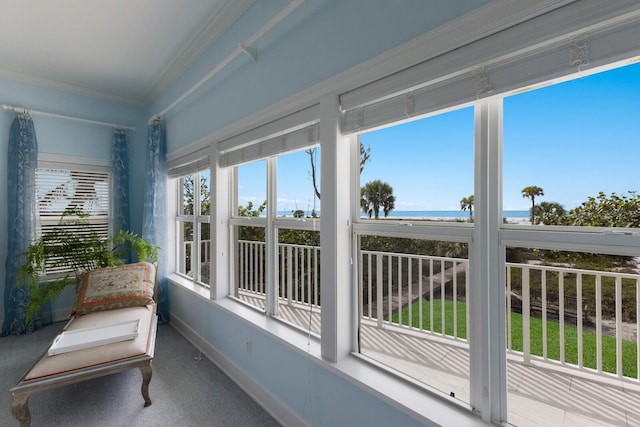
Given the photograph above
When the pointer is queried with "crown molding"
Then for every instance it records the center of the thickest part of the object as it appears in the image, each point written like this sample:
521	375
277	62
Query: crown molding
66	87
228	14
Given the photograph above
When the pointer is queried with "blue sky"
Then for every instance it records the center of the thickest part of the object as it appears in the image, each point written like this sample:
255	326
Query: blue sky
573	139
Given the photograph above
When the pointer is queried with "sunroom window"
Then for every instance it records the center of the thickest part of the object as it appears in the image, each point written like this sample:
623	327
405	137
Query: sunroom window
193	229
275	217
71	190
413	287
572	279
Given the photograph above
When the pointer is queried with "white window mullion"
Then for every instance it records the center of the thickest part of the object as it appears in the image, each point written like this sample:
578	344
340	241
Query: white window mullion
487	312
271	239
196	247
335	237
222	247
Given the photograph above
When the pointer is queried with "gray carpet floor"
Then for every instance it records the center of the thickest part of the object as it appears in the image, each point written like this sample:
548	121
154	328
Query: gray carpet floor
185	392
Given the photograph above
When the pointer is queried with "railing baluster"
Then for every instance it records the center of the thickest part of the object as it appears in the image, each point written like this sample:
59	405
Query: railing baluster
409	290
420	298
526	312
619	326
261	268
509	340
379	285
431	294
399	266
455	300
599	323
442	294
466	295
308	275
637	329
369	287
316	273
289	272
561	314
580	315
544	312
296	282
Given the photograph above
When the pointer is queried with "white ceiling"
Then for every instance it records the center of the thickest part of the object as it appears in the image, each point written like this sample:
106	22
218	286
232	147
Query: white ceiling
124	50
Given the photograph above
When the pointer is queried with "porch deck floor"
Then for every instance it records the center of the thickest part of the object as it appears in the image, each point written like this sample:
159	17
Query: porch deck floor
540	394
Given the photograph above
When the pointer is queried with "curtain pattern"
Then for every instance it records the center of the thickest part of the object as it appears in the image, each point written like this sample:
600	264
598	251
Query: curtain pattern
154	215
22	224
120	181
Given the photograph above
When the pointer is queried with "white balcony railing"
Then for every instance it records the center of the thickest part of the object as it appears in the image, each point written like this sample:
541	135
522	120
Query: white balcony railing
568	315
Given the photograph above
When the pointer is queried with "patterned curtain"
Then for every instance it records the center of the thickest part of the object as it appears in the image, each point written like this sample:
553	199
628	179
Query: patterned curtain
22	224
120	182
154	216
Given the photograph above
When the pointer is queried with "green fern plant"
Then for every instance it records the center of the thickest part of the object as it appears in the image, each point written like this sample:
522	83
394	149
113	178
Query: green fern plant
74	244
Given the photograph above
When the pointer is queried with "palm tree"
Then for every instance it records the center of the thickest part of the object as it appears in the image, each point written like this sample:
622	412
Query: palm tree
467	203
550	213
376	195
531	192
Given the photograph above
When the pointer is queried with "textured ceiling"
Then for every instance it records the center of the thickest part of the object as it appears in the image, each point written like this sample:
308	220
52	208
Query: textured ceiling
125	50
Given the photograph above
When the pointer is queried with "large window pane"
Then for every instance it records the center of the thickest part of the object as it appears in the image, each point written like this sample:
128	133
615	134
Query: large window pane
579	311
420	170
414	308
193	229
299	278
250	270
298	180
185	247
571	150
252	189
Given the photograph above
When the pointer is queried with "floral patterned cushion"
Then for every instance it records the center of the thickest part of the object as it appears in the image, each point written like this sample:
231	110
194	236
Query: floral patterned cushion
109	288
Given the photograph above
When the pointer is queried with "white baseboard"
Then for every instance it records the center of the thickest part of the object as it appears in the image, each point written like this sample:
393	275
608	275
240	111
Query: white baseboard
256	391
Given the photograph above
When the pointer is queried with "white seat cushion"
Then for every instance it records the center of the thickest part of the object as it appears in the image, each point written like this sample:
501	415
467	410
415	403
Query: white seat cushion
89	357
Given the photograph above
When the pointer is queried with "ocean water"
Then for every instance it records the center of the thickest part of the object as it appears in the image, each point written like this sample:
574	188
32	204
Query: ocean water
434	214
450	214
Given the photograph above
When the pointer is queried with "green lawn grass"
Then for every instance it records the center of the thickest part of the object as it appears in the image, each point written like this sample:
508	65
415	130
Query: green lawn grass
629	348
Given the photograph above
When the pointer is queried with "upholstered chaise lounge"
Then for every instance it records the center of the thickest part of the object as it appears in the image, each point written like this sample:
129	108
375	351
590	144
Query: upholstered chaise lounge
104	298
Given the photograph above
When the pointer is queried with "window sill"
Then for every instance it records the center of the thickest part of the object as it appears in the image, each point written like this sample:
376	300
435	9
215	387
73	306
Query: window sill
405	395
199	290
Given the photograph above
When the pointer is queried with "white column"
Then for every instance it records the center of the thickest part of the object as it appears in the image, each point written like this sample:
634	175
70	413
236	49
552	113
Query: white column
487	290
335	242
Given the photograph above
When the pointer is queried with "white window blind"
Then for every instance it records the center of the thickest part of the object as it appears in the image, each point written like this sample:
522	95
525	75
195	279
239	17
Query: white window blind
293	132
58	190
192	162
496	65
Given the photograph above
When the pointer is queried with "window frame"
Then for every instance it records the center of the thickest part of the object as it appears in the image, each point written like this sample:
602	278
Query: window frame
197	219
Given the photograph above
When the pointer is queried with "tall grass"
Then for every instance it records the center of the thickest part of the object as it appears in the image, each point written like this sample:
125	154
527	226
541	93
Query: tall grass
589	338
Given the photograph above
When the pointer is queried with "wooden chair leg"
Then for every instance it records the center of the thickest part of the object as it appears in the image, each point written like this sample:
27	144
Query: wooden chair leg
20	409
146	379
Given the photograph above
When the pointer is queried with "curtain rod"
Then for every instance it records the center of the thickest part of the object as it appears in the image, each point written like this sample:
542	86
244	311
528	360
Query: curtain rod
60	116
245	48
